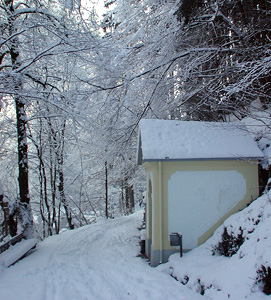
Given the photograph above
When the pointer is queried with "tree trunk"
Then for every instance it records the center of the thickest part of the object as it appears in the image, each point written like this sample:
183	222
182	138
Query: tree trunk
106	190
6	214
25	214
63	200
129	197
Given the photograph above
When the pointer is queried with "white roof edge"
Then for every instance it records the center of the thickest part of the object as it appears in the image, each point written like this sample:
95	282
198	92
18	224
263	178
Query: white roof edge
202	159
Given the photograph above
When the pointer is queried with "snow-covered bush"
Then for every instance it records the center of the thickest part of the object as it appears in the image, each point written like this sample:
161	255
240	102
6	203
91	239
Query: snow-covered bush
264	276
229	244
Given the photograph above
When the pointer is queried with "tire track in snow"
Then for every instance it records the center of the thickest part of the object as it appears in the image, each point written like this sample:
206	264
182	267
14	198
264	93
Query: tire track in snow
91	255
95	262
67	276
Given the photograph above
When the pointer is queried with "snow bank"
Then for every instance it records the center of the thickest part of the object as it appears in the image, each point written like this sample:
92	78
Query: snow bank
259	124
14	253
221	277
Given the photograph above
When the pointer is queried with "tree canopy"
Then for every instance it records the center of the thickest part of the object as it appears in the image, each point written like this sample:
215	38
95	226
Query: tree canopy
73	89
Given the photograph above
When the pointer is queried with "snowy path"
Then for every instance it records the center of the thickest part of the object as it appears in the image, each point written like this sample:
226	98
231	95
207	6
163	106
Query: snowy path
91	263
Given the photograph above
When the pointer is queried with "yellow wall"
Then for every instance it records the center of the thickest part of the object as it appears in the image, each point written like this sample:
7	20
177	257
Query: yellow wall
160	172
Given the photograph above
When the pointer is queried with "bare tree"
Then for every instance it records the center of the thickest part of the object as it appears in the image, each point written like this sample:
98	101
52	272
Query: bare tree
33	38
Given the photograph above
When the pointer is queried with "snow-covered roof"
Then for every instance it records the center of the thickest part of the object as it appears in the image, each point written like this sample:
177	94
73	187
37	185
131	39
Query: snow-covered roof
194	140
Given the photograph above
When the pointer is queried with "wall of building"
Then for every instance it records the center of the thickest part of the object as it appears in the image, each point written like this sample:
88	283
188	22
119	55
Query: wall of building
186	190
197	199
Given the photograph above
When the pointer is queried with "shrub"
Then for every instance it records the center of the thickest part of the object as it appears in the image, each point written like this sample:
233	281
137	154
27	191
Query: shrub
230	244
264	276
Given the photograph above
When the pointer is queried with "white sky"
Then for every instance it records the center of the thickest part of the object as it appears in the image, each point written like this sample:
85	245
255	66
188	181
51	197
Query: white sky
98	5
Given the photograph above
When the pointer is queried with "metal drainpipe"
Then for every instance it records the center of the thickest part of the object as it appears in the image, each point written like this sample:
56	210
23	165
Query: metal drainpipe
160	210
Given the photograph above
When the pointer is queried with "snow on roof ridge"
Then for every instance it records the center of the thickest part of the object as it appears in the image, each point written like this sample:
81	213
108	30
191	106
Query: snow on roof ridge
188	140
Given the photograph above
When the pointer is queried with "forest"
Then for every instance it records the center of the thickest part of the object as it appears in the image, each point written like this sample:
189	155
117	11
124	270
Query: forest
75	81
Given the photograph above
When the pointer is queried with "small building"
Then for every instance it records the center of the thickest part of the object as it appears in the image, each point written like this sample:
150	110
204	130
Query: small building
198	174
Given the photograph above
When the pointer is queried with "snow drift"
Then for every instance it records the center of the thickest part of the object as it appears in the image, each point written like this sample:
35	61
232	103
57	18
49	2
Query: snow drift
242	273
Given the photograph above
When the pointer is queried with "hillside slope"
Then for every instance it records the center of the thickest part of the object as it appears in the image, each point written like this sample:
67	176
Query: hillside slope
245	239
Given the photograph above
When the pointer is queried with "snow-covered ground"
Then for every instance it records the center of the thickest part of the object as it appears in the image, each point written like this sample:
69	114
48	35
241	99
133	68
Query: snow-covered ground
94	262
234	277
100	261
